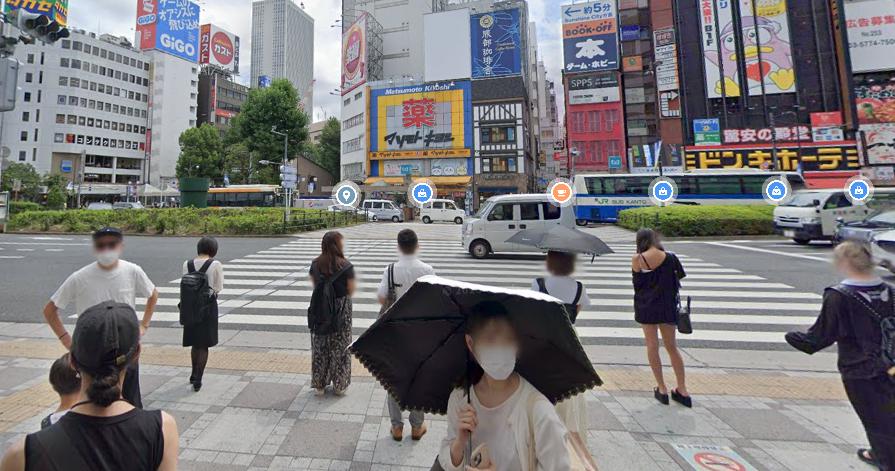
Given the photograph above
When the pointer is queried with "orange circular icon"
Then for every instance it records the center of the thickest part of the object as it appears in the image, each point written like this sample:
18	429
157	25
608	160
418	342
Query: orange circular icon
561	192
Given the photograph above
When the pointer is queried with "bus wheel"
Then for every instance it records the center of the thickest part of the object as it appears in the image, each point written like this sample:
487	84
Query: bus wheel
479	249
581	222
802	241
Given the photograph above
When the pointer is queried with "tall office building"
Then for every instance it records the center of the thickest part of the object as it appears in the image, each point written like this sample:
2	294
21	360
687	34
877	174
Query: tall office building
283	46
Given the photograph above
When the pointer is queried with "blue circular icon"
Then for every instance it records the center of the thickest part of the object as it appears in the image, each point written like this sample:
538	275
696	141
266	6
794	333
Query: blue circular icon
422	193
859	190
346	196
776	191
663	191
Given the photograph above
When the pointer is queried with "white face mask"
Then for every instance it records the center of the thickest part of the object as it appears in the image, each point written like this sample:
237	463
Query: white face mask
498	362
107	258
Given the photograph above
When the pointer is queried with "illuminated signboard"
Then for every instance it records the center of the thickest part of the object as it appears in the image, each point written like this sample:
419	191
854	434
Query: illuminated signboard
811	156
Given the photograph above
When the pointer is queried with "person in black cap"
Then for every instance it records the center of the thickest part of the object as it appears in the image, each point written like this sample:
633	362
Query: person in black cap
102	431
108	279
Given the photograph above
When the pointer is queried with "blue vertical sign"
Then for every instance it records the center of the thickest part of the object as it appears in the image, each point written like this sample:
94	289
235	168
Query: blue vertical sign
178	29
496	44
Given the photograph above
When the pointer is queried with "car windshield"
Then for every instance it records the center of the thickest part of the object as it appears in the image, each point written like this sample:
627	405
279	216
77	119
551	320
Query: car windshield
484	209
804	200
887	217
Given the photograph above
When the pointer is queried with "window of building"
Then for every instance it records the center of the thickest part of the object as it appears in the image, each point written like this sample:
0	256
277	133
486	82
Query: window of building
30	59
26	116
27	96
74	82
594	121
66	44
498	164
612	119
60	119
23	136
63	62
22	156
72	119
498	134
579	121
77	45
59	138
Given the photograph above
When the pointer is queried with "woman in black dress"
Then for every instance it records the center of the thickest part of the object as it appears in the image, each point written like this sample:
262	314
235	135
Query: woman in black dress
330	360
657	276
204	335
848	318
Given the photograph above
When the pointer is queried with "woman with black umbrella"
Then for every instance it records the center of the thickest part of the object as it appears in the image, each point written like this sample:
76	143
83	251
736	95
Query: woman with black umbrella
502	405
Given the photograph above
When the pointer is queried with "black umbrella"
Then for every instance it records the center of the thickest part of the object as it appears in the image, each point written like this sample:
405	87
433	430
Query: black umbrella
561	239
417	349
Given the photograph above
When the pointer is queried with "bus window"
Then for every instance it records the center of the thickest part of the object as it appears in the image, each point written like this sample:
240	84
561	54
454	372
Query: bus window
686	185
720	185
631	185
754	184
594	186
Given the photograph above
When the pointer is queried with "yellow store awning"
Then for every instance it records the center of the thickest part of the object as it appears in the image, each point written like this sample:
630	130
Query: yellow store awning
438	181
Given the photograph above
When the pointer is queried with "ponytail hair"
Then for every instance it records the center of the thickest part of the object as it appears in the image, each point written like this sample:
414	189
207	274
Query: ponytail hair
104	389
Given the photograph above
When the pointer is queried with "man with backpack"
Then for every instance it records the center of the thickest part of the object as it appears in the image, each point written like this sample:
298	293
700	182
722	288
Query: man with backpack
858	314
107	279
396	280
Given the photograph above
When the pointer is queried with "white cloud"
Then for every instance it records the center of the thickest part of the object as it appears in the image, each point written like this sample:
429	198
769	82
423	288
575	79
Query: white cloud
118	17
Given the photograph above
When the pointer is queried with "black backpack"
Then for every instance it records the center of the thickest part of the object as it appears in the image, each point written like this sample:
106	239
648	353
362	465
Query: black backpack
196	296
886	326
323	311
391	295
571	308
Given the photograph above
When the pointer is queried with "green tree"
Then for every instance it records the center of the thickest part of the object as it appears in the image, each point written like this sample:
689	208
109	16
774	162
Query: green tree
27	175
56	195
201	153
328	153
275	107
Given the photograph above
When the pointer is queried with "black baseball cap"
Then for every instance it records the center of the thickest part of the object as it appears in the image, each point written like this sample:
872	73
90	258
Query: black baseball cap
108	231
106	335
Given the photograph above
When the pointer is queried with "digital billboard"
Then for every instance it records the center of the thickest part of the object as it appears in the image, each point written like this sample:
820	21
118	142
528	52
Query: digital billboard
431	120
590	36
496	44
354	55
219	47
169	26
57	10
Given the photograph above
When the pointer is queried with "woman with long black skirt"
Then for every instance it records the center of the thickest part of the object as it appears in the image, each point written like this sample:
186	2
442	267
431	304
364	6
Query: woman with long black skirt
851	318
204	335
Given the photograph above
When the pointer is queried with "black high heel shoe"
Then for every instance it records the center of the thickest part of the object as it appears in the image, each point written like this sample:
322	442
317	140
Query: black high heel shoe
662	398
685	401
197	385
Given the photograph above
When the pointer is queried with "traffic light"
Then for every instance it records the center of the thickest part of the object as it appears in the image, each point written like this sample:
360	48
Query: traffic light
9	76
41	27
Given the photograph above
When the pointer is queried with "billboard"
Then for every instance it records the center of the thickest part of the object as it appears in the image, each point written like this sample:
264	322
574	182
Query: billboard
809	155
264	81
447	60
219	48
57	10
496	44
431	120
169	26
871	34
665	50
354	55
707	132
590	36
879	143
875	102
594	87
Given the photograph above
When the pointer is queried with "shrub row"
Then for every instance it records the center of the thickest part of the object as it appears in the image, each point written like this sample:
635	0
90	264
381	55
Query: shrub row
181	221
693	221
16	207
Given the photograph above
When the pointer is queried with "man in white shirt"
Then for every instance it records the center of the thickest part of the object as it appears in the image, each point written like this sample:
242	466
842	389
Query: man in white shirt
107	279
404	273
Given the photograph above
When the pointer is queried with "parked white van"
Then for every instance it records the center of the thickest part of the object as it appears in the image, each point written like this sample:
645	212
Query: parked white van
383	210
815	214
441	211
501	217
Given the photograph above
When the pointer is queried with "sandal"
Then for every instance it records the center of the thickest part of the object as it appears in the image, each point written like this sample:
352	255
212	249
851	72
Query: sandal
866	455
685	401
662	398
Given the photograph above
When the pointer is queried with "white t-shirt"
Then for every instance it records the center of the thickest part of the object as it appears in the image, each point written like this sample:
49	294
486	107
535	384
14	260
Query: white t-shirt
563	288
92	285
215	273
493	430
408	269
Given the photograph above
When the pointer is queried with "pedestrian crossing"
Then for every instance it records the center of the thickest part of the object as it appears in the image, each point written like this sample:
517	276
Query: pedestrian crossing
270	290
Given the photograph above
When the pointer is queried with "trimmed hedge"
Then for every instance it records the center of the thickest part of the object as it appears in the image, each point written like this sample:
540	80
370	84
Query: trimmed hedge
693	221
182	221
16	207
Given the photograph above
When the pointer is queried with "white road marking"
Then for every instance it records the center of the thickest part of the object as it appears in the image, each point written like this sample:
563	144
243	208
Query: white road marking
773	252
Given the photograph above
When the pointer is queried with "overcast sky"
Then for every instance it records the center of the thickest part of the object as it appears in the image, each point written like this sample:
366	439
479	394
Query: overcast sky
117	17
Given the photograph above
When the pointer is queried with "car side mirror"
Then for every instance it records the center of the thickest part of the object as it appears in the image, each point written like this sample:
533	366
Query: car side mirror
816	202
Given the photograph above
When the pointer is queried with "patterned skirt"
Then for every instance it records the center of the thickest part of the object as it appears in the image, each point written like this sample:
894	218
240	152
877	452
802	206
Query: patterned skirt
330	360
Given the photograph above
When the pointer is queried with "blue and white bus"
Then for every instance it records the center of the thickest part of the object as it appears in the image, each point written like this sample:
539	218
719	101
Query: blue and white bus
600	196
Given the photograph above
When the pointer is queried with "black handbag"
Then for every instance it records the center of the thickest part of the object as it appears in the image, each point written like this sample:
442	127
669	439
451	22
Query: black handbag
684	325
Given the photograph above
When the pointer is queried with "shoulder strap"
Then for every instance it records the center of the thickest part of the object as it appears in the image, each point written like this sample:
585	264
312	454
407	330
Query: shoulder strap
542	285
849	292
60	450
578	294
206	265
335	276
643	259
391	276
190	266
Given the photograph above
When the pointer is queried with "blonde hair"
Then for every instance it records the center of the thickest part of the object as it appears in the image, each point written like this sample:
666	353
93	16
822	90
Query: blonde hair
856	254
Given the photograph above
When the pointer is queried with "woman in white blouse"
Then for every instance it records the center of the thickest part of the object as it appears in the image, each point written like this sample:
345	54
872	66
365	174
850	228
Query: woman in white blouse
504	409
204	335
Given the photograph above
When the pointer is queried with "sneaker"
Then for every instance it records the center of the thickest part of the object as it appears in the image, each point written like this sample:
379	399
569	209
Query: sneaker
417	433
397	432
319	392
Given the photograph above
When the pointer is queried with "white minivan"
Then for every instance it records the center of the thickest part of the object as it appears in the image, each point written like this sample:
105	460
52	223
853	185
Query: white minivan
501	217
815	214
442	211
383	210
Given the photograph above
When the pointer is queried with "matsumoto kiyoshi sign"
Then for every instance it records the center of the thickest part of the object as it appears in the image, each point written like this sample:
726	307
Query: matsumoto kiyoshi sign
427	120
170	26
590	36
496	44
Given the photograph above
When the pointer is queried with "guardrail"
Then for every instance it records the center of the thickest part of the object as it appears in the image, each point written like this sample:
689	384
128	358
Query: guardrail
309	220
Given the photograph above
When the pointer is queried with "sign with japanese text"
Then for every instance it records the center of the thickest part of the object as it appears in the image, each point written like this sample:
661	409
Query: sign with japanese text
871	34
427	120
876	103
595	87
707	132
780	134
827	127
590	36
496	44
665	51
169	26
56	10
219	48
354	55
810	156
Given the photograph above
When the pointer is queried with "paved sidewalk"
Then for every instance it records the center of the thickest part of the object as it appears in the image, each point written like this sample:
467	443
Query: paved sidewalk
257	411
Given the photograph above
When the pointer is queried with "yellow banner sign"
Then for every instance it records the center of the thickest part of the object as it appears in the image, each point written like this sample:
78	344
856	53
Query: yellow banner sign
420	154
843	157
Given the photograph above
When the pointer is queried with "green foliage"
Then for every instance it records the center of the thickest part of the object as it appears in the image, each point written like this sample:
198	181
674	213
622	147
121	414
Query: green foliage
691	221
201	153
56	195
267	108
16	207
182	221
24	172
328	153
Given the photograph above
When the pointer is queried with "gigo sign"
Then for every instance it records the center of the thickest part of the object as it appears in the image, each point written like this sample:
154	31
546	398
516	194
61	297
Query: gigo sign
169	26
177	44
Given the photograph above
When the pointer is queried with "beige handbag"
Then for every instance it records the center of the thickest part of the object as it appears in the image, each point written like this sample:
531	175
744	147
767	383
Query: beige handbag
579	456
